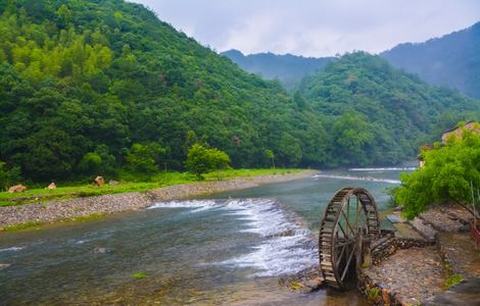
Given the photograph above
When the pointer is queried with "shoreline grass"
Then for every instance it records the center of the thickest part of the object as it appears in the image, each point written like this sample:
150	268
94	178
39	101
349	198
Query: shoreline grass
75	190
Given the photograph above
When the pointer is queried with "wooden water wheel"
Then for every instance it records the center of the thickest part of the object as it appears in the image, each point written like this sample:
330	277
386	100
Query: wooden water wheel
350	217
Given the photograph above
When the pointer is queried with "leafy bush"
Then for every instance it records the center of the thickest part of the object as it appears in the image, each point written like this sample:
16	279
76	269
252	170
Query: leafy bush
201	160
144	158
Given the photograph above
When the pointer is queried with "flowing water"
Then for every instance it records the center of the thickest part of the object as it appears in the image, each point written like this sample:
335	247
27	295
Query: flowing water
230	248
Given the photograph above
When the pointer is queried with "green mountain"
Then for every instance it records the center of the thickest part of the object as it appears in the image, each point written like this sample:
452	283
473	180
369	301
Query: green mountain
81	82
288	69
452	60
378	113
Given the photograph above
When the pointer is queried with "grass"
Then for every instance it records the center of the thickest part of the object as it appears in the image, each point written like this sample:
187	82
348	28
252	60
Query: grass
130	184
373	295
22	227
32	226
139	275
453	280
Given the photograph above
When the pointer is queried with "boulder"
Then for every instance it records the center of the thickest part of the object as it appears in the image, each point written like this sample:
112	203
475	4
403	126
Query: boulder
17	188
4	266
99	181
52	186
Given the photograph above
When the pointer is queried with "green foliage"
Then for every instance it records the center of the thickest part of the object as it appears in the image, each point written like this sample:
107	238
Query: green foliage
453	280
144	158
269	154
201	160
374	295
447	176
377	115
8	176
75	75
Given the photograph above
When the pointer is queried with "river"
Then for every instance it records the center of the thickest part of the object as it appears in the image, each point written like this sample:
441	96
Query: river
230	248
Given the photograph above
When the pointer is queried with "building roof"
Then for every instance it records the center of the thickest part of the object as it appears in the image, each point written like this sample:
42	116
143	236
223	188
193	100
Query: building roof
457	127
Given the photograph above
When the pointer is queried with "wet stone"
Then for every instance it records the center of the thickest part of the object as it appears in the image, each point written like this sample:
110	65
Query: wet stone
101	251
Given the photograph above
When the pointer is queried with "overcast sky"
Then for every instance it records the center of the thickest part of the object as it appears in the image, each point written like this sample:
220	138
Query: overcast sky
314	27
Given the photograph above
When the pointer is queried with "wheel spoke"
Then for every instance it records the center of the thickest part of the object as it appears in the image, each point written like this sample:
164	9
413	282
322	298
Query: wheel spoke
347	265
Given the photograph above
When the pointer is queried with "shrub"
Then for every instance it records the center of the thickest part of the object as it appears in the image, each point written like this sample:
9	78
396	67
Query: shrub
201	160
144	158
449	174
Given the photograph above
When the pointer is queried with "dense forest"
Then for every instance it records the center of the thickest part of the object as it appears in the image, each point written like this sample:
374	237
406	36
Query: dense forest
452	60
377	113
288	69
94	87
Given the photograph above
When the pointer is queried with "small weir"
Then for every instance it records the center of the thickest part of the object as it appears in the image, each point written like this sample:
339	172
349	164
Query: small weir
286	248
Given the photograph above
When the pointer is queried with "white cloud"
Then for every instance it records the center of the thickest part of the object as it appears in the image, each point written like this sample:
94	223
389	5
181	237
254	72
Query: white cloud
314	27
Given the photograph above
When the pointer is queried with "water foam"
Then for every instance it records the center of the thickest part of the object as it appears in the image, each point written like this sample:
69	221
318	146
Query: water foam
357	178
286	247
383	169
12	249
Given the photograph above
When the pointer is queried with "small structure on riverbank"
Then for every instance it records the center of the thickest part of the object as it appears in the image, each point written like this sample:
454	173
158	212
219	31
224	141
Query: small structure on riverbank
457	132
452	133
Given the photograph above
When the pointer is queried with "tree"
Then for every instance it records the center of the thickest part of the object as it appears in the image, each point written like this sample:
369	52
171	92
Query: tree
269	154
8	176
144	158
449	173
201	160
99	162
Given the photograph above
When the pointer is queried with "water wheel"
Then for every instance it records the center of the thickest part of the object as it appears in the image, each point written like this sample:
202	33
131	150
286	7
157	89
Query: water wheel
350	217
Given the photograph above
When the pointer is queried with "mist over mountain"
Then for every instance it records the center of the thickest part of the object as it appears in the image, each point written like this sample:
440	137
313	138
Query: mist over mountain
452	60
288	69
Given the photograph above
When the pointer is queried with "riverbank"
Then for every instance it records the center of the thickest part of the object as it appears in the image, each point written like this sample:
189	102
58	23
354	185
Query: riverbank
429	255
26	215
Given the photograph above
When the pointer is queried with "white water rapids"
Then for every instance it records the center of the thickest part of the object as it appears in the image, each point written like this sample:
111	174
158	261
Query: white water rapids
286	247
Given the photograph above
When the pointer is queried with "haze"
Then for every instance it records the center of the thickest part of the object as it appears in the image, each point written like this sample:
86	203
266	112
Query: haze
313	27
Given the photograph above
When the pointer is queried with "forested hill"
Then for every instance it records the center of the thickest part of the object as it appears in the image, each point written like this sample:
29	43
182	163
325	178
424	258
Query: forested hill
377	112
88	86
80	77
452	60
288	69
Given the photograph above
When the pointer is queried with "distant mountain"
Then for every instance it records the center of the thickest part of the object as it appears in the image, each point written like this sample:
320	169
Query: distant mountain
288	69
452	60
375	113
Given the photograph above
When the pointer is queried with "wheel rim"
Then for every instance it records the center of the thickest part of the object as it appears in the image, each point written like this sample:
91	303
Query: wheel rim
350	215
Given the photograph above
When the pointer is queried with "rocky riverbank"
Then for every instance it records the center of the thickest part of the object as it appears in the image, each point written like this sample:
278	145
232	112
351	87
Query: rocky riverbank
436	252
54	211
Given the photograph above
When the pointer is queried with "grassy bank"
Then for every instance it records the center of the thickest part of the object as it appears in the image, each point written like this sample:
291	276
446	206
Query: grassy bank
74	190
